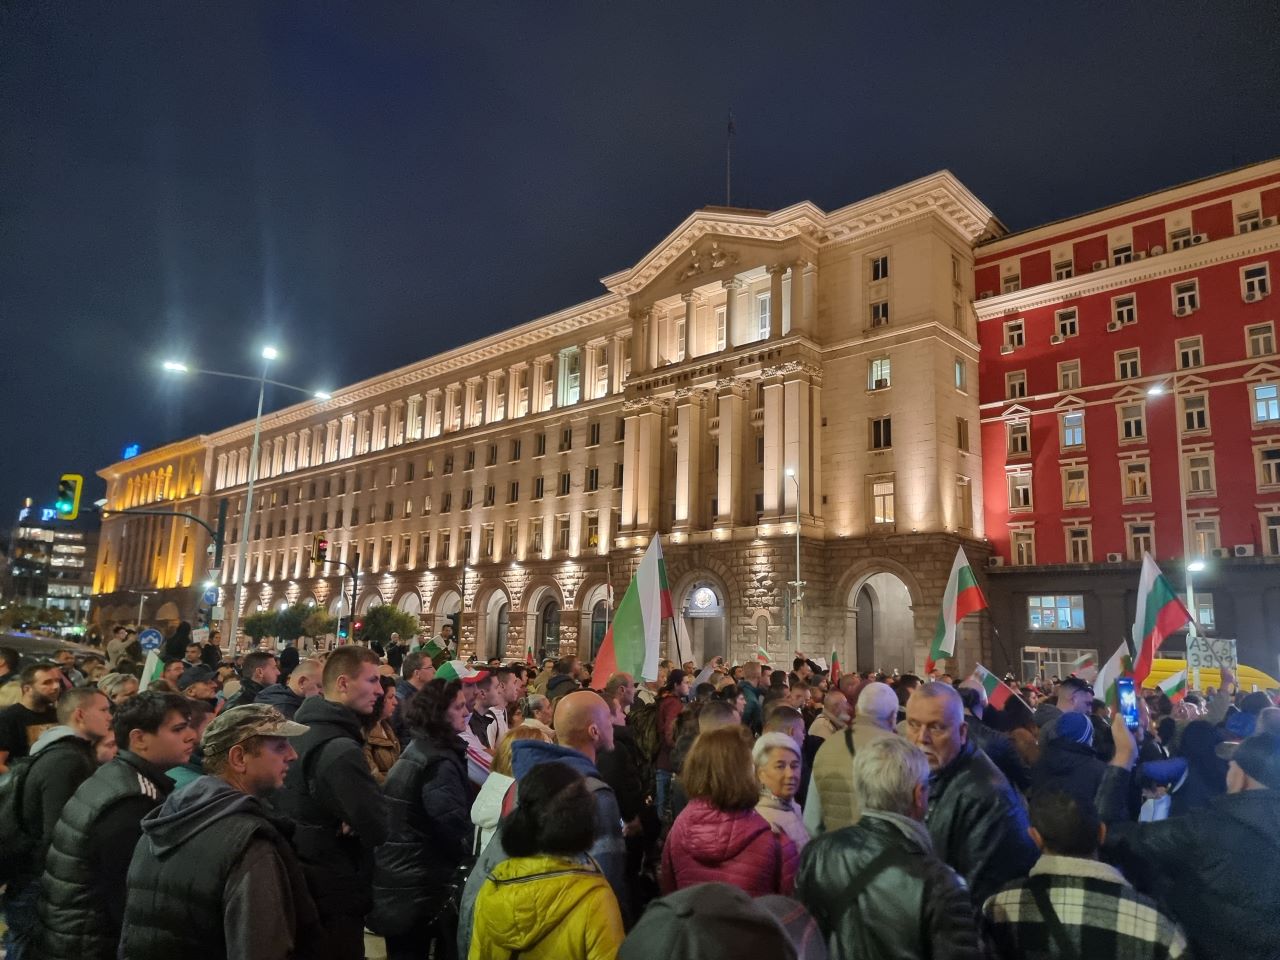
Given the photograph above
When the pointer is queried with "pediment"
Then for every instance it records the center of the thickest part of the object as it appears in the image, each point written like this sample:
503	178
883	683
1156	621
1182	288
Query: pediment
1015	411
1070	400
1263	371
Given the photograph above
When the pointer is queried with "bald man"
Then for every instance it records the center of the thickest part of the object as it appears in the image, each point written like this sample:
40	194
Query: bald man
585	729
303	682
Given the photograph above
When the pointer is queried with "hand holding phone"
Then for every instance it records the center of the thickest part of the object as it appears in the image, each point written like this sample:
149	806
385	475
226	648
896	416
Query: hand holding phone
1128	702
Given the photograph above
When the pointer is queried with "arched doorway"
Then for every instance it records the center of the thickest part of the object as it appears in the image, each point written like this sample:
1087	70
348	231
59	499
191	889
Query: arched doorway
884	625
548	635
702	623
448	609
495	621
338	607
368	603
410	603
599	625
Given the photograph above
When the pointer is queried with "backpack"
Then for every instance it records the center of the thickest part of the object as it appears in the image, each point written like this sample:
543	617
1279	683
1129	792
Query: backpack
16	845
643	721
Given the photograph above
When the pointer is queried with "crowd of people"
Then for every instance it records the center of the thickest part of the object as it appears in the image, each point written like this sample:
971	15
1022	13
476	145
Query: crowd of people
274	805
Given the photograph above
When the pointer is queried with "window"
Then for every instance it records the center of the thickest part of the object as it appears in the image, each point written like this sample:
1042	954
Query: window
1063	270
1186	297
1269	466
1011	284
964	503
1079	545
882	501
468	498
759	449
408	472
1122	254
1262	340
408	510
1255	282
513	491
446	502
762	316
1133	421
540	445
620	430
431	468
1075	486
682	337
490	495
1200	473
424	550
1020	491
1204	536
1128	365
880	267
1015	334
535	536
406	549
961	371
878	374
593	434
562	485
1266	403
880	313
1069	375
1015	385
395	473
955	270
1141	539
1195	413
1248	221
962	433
539	485
446	468
562	533
1137	480
1190	353
1067	322
570	385
881	433
514	456
1018	435
1022	547
446	541
1271	534
470	462
486	541
1065	612
386	553
566	439
342	485
1204	610
510	537
1124	310
491	455
465	553
1180	239
593	530
426	505
957	316
617	475
722	329
593	479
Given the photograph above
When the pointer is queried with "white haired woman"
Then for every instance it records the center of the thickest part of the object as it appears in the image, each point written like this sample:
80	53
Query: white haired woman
777	761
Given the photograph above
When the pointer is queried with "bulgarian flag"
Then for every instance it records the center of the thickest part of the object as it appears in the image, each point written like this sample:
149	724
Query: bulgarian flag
631	644
998	692
456	670
435	652
962	597
528	655
1175	687
151	670
835	667
1086	668
1160	612
762	655
1118	665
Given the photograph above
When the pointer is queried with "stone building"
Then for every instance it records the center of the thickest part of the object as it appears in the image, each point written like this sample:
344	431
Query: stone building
755	371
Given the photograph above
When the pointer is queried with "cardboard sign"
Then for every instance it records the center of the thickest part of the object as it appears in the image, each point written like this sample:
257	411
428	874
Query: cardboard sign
1212	653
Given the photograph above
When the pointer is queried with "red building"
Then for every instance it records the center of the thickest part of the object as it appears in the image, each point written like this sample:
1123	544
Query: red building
1130	402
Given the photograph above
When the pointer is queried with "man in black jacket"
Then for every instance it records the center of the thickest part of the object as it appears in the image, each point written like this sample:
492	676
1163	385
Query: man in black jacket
994	743
876	889
82	895
416	671
977	820
287	696
259	671
341	814
217	856
61	760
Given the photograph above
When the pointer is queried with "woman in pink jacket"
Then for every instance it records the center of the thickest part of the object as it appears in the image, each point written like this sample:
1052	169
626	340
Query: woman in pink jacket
719	836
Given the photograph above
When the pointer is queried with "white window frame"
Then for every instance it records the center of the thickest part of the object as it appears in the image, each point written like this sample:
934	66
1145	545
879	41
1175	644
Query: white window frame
1122	432
1189	352
1267	469
1121	254
1011	283
1067	322
1248	221
1079	548
879	369
1260	339
1015	334
1020	480
1180	239
879	311
764	314
1194	409
1069	375
1199	473
1075	476
1206	535
1140	543
879	267
882	490
1128	363
682	337
1255	280
1018	438
1264	402
1124	309
880	433
1064	270
1018	379
960	373
1185	296
722	327
1269	525
1075	601
1022	547
1071	436
1143	495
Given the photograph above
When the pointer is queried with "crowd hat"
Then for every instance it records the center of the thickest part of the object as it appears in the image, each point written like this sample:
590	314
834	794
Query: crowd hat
197	673
1258	756
241	723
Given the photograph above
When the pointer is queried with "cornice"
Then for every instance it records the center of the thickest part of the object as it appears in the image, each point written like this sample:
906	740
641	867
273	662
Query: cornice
1236	247
157	457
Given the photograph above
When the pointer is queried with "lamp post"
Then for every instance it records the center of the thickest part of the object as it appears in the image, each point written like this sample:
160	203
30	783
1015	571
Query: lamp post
269	353
798	595
141	599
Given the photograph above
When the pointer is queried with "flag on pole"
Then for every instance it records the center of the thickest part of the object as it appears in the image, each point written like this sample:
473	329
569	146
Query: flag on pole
962	597
151	670
1175	687
1160	612
835	667
1086	668
632	642
457	670
998	692
528	655
1118	665
762	655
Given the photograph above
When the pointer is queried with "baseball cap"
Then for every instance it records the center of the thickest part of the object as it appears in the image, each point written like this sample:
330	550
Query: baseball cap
1258	756
198	673
240	723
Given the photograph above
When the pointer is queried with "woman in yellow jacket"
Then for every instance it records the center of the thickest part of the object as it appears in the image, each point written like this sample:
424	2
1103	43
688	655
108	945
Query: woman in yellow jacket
549	901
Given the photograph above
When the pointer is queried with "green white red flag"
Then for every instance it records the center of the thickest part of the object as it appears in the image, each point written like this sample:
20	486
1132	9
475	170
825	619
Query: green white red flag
998	692
151	670
762	655
1086	668
1119	664
632	642
456	670
962	597
835	667
1175	687
1160	612
528	655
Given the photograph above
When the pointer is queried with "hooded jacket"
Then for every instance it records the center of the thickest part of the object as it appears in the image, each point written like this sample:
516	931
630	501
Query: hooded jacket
1068	767
546	907
214	876
739	847
62	761
248	693
486	812
280	696
1216	870
327	787
608	851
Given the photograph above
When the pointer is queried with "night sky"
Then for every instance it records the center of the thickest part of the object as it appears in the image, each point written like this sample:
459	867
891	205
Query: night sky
365	184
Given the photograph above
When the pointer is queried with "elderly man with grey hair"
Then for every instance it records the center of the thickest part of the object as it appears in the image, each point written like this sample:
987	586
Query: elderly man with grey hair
876	889
977	820
834	804
539	712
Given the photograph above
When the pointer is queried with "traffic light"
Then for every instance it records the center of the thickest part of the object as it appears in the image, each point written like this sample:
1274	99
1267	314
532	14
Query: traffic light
356	629
319	548
68	503
342	627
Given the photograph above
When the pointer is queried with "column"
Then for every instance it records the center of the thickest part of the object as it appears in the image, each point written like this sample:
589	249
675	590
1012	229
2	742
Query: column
797	429
731	288
775	302
773	448
640	321
433	409
515	407
733	420
649	470
630	476
690	321
799	318
689	433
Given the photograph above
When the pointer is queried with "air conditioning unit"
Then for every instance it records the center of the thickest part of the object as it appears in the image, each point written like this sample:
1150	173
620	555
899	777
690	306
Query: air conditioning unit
995	561
985	294
1221	552
1269	222
1056	338
881	384
1199	238
1140	255
1157	250
1243	550
1006	348
1099	264
1115	557
1113	326
1251	296
1182	312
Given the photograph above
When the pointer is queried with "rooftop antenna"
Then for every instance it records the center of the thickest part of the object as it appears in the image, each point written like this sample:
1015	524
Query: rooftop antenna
728	164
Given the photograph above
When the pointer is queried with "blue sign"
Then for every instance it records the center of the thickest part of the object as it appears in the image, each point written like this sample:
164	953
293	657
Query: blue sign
150	639
131	451
210	595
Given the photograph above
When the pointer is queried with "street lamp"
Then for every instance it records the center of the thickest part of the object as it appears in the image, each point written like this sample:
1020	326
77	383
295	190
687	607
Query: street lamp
798	595
269	353
1159	390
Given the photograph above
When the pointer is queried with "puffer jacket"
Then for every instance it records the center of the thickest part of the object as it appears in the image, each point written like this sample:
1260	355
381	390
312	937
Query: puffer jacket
740	848
546	907
1070	768
979	823
831	786
486	812
876	889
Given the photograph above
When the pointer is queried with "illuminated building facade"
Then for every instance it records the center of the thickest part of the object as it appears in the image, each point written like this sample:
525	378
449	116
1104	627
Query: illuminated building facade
51	563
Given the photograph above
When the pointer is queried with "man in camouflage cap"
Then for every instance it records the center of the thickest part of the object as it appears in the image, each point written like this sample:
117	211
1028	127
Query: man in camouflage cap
216	854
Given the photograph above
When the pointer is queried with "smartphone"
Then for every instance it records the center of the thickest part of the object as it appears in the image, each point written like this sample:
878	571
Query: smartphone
1128	702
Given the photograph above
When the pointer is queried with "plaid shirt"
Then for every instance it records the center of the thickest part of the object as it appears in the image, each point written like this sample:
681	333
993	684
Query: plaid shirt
1102	914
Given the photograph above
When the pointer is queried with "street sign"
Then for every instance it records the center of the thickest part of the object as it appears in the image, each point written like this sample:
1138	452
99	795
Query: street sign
150	639
217	613
210	595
